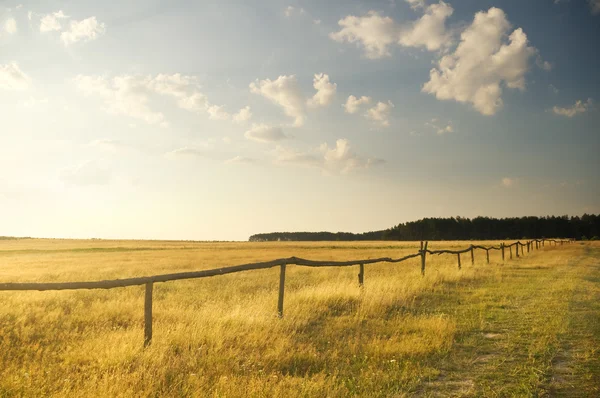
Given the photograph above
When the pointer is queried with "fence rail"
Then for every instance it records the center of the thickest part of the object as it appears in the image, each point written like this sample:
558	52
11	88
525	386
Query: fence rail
149	281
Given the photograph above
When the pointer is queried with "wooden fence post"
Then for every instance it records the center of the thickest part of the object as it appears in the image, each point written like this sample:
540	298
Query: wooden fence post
510	248
487	256
459	266
423	254
361	275
528	244
148	314
517	249
281	290
502	247
472	255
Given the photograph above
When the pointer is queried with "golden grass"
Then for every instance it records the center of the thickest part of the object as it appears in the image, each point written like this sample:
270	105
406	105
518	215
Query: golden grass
399	335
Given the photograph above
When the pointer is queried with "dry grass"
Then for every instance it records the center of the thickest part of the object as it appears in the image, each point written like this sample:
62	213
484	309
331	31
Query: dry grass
484	330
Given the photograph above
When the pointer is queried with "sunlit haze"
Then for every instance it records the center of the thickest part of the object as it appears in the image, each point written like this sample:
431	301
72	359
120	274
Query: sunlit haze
215	120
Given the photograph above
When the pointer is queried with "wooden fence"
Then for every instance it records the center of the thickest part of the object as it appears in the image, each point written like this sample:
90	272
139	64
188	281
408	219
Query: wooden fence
149	281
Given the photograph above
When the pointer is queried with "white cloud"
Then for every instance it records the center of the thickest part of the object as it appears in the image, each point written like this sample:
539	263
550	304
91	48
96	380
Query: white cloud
416	4
440	129
481	63
29	15
10	26
545	65
131	94
508	182
284	92
285	155
85	174
353	104
13	78
51	22
553	88
380	113
196	102
374	32
290	11
264	133
325	91
595	6
124	95
243	115
186	152
241	160
340	159
216	112
86	30
579	107
430	30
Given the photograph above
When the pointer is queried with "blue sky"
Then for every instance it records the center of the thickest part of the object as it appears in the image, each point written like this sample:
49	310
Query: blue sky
219	119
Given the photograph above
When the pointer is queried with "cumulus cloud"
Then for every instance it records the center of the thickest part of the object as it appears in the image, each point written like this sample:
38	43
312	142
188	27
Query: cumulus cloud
375	33
243	115
10	26
217	112
578	108
123	95
86	30
430	30
131	94
265	134
325	91
339	159
353	104
284	92
380	113
13	78
482	63
51	22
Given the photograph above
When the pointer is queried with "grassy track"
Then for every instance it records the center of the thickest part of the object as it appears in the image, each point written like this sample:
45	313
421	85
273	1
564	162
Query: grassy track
530	327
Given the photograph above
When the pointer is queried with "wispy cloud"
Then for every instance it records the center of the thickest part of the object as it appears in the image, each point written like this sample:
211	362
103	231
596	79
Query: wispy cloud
578	108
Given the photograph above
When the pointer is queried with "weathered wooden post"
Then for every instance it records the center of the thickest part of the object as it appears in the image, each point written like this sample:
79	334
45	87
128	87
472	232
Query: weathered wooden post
472	255
148	314
459	266
487	256
281	290
502	248
528	244
510	248
517	249
361	275
423	254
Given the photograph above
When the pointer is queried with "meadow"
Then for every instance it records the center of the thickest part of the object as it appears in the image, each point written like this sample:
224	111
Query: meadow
527	327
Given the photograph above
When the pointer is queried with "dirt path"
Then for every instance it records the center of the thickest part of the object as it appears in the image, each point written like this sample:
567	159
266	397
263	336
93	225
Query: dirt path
535	331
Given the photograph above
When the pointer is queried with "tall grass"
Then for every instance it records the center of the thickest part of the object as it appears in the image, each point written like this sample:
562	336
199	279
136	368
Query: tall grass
221	336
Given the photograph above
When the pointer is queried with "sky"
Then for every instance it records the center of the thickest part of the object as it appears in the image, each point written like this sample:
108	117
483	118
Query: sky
215	120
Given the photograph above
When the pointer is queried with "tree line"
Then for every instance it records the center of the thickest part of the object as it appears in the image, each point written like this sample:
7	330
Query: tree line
460	228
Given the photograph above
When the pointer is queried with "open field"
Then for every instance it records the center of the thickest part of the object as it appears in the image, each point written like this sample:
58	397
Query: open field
530	327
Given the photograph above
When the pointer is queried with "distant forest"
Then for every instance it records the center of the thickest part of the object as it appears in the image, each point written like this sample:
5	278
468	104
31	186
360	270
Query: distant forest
459	228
